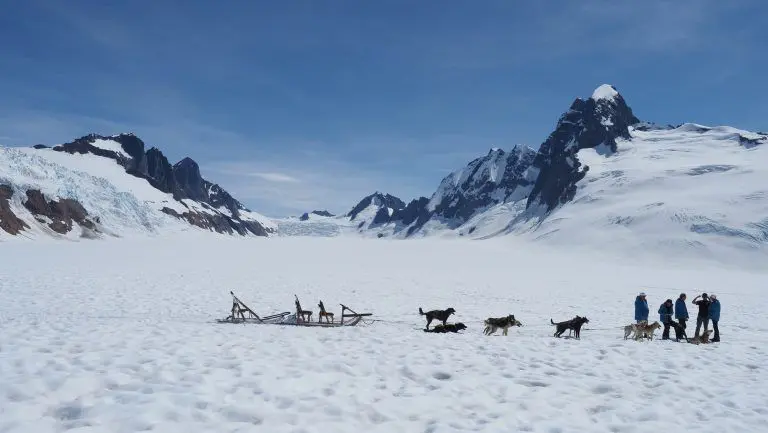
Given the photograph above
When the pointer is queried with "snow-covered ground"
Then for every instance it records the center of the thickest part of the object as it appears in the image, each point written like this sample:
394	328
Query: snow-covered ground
120	336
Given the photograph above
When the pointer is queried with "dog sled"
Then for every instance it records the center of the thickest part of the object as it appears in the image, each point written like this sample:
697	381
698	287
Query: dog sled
241	313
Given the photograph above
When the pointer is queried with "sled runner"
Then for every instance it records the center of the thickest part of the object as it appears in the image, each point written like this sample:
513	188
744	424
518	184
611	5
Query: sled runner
241	313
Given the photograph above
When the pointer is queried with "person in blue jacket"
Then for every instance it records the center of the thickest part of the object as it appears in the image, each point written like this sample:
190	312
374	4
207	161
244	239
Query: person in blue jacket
641	308
714	316
665	316
681	311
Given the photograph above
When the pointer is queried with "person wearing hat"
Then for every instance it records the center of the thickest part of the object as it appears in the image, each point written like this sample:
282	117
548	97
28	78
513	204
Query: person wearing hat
714	316
681	311
665	315
641	308
703	316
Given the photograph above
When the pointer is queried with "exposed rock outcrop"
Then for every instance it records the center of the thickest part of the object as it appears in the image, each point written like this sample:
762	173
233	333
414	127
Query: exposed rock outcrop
190	182
323	213
378	200
58	214
218	222
9	222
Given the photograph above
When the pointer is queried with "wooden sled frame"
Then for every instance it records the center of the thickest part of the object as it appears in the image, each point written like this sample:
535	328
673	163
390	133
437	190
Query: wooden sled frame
241	313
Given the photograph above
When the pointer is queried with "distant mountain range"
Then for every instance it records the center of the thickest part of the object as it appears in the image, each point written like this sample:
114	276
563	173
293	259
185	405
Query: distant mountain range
602	177
601	173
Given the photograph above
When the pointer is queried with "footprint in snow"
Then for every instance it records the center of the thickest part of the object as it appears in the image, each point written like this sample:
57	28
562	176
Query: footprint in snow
441	376
533	383
602	389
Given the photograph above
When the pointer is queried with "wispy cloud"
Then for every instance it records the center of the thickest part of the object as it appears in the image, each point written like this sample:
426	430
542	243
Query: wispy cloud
275	177
320	183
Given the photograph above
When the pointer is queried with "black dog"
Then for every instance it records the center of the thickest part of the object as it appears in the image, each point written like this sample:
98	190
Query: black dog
679	331
441	315
447	328
574	325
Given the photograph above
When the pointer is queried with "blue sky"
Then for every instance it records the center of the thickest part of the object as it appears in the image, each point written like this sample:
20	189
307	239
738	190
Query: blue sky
297	105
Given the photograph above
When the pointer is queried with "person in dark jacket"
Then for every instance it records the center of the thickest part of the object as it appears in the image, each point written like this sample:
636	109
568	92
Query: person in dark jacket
703	316
714	315
681	311
665	316
641	308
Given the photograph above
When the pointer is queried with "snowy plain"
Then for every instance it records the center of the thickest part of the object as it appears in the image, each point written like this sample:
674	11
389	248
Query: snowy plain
120	336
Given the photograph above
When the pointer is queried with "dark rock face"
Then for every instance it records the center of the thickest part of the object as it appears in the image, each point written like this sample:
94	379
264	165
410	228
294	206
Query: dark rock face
752	142
493	179
415	211
376	199
219	222
8	220
61	212
382	216
190	182
414	216
588	124
323	213
218	198
134	147
40	146
160	172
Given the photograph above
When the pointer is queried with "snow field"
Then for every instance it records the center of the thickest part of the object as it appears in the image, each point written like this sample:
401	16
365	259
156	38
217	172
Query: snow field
119	336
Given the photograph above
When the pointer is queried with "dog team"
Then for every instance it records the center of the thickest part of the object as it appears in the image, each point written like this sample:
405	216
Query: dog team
709	310
493	324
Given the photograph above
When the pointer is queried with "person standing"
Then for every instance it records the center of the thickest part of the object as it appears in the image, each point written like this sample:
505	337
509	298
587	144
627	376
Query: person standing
665	315
641	308
703	316
681	310
714	315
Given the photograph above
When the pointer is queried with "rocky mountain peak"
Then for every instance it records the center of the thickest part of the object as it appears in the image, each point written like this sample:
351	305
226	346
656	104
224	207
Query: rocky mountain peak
597	123
188	177
379	200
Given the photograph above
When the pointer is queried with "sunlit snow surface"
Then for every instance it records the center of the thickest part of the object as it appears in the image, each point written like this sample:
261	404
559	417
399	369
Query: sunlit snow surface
119	336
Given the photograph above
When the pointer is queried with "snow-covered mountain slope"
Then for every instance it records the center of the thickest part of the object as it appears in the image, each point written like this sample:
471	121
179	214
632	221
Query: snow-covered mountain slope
690	187
98	186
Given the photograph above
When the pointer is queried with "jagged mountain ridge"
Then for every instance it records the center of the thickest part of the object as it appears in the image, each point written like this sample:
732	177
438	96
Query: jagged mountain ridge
178	191
547	176
554	185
